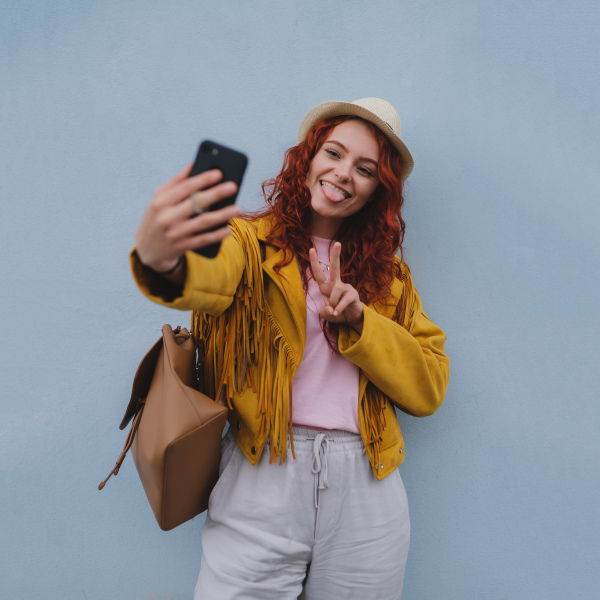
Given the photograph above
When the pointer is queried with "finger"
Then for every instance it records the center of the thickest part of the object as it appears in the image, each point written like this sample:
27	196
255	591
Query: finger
334	263
175	180
315	267
203	239
185	187
203	200
201	223
345	301
337	291
327	315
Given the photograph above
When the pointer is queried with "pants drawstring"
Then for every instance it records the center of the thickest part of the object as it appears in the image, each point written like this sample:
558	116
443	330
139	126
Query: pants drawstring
319	468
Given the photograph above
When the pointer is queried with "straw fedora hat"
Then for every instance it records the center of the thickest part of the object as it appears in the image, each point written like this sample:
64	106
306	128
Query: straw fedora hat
379	112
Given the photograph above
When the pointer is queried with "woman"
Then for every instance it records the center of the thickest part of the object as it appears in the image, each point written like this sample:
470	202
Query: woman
309	327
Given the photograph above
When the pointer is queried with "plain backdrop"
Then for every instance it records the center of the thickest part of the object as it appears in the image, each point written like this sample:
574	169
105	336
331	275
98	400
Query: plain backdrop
101	102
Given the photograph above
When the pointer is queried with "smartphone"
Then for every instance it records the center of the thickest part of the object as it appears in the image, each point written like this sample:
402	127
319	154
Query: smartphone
232	164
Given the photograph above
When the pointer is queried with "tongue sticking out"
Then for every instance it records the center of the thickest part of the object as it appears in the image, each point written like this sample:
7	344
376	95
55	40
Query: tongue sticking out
331	194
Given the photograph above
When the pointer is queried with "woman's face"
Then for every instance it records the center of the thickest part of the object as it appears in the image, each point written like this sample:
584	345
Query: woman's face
342	176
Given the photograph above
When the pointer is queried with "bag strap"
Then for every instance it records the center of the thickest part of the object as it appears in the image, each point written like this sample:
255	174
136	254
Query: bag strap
128	443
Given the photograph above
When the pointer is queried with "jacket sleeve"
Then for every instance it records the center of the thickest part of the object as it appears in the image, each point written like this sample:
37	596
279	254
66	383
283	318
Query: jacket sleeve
409	367
210	283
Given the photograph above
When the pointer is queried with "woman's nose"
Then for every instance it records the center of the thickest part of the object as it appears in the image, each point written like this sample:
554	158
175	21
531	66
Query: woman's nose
342	172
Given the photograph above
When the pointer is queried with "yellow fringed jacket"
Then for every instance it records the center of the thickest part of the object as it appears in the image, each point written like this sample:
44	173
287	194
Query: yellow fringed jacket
250	325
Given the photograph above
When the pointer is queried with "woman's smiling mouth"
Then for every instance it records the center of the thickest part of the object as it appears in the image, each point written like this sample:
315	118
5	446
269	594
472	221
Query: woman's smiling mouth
332	192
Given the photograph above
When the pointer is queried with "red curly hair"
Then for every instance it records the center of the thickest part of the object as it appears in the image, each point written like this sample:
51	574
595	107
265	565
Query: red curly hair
370	238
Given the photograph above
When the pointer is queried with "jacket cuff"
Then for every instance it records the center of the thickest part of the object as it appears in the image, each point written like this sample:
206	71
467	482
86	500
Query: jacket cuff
153	284
350	342
359	347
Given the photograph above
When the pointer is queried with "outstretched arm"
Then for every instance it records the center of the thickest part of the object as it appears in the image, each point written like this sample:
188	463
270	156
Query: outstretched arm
163	265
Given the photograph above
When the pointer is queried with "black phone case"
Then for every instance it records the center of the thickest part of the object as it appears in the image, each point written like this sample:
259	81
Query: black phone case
232	164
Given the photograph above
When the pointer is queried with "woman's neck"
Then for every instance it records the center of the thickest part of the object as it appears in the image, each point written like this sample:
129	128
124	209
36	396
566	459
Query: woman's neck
325	228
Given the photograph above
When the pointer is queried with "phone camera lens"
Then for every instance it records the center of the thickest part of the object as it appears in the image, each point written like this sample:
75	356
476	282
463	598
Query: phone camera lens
215	151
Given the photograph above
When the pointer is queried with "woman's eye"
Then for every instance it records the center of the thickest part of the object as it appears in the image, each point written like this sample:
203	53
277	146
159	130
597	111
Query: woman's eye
366	171
332	152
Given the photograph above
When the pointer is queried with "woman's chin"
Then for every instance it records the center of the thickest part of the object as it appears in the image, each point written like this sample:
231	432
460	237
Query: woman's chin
325	212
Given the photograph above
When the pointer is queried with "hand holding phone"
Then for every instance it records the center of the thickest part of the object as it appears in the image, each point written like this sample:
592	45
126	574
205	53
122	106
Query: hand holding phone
232	164
171	224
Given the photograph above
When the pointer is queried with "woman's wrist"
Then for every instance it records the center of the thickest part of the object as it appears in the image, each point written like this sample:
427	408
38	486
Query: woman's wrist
358	325
175	274
172	269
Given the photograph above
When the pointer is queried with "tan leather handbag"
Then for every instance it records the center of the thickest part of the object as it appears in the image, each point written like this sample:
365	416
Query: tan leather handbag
176	433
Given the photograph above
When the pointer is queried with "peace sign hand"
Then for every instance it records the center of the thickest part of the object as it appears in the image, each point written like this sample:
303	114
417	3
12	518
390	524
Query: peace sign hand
342	303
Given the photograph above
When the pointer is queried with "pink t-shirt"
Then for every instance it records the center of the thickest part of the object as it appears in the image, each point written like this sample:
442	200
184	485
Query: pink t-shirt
325	388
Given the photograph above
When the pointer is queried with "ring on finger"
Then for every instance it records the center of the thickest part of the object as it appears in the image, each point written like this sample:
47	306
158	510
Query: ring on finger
194	200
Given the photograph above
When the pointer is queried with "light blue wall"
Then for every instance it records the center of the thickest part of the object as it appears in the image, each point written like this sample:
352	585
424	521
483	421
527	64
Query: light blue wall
102	101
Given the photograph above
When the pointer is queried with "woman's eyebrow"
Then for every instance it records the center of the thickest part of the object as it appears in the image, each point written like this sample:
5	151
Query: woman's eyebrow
363	158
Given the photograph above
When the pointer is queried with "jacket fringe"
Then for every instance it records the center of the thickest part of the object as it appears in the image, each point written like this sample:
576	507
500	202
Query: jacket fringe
375	400
244	347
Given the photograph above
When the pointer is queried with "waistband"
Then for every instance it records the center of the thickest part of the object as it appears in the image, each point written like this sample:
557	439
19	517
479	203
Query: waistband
342	440
320	444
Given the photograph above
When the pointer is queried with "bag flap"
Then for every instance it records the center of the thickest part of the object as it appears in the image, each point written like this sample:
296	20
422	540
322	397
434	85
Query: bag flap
145	372
141	382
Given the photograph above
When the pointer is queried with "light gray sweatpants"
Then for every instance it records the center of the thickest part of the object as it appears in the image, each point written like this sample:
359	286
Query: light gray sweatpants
320	527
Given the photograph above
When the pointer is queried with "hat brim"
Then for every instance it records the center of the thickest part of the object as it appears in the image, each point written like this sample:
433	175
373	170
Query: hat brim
326	110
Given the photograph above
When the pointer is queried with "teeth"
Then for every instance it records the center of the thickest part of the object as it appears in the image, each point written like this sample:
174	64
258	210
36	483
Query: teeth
333	187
